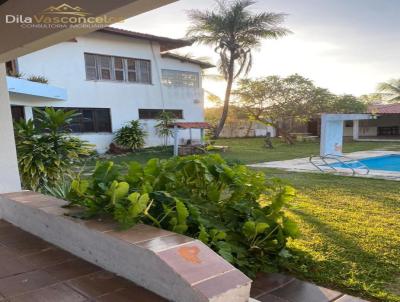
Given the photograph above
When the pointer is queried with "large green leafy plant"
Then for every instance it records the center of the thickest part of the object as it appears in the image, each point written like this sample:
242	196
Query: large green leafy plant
131	136
231	208
46	154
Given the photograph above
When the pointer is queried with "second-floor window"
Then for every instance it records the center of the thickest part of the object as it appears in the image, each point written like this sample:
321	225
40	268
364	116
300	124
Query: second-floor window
177	78
101	67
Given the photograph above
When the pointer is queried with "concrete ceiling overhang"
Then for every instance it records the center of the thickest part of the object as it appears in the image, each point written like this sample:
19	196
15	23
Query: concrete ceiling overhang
15	40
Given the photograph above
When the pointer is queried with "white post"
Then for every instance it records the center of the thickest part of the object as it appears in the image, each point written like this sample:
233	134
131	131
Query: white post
190	135
176	131
202	136
28	113
356	129
331	135
9	176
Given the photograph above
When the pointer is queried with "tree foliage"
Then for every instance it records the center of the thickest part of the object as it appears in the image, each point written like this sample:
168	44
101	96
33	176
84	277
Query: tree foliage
390	90
234	31
163	126
277	101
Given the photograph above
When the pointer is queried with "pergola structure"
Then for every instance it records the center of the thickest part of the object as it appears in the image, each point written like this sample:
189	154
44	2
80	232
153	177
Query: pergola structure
332	131
190	126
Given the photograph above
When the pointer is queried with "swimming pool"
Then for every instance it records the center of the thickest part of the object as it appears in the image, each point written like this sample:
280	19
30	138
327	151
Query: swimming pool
386	163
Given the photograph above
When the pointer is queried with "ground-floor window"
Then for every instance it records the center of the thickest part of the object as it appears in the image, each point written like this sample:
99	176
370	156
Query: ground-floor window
18	113
151	114
89	120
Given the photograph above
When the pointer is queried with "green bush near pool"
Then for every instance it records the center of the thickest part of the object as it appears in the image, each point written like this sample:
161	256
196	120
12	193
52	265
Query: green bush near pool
233	209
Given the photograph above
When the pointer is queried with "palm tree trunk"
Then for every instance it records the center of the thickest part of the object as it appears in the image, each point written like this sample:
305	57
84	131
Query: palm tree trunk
228	91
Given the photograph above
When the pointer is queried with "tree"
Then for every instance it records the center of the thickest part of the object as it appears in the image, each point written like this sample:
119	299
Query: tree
390	90
371	98
278	102
234	32
347	103
163	126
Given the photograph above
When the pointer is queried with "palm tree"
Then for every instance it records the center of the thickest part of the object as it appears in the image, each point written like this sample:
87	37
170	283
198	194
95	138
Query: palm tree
390	90
234	32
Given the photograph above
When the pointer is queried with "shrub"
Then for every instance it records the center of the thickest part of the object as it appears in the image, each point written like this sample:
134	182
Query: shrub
45	152
15	74
131	136
232	209
38	79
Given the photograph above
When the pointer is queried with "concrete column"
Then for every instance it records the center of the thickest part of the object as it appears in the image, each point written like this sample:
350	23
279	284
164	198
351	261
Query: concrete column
176	131
28	113
202	136
9	175
331	136
356	129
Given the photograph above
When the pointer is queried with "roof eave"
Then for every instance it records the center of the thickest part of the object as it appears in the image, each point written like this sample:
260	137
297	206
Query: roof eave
165	43
203	65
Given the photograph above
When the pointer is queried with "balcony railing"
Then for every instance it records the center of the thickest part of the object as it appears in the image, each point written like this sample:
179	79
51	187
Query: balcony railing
23	86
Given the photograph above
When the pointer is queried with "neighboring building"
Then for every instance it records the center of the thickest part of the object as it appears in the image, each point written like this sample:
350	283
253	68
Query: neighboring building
245	128
385	126
111	77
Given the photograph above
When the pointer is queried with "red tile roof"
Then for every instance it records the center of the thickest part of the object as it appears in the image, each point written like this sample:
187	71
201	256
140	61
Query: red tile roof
385	108
195	125
165	43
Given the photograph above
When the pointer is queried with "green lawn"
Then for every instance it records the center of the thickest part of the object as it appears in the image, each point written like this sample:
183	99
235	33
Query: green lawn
350	233
350	226
251	150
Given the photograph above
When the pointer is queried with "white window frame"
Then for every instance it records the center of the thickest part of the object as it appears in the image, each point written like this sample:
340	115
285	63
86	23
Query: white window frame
180	78
139	73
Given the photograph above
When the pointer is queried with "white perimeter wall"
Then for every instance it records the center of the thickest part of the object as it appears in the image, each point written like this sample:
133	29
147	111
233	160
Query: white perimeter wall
64	66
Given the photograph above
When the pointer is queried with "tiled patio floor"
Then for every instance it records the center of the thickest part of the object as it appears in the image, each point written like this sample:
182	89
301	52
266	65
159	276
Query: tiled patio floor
36	271
281	288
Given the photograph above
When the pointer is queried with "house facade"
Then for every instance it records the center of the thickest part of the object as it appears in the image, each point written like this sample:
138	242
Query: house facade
385	125
111	77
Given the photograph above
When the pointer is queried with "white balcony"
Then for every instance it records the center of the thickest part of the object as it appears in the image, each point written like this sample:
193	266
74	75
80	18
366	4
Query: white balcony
23	86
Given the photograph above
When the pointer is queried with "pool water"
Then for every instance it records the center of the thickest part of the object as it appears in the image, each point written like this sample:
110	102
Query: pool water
386	163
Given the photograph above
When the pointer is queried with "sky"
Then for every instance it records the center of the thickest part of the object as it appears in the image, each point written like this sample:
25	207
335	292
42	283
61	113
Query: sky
347	46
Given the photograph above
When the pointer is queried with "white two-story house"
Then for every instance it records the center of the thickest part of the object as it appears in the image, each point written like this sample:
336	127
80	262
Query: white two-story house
111	77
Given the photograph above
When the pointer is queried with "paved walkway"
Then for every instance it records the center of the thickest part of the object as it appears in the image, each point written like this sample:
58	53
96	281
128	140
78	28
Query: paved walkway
32	270
281	288
304	165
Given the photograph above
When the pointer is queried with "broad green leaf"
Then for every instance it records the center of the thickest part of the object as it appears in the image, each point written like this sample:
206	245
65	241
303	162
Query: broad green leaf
138	204
249	229
261	227
203	235
117	191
